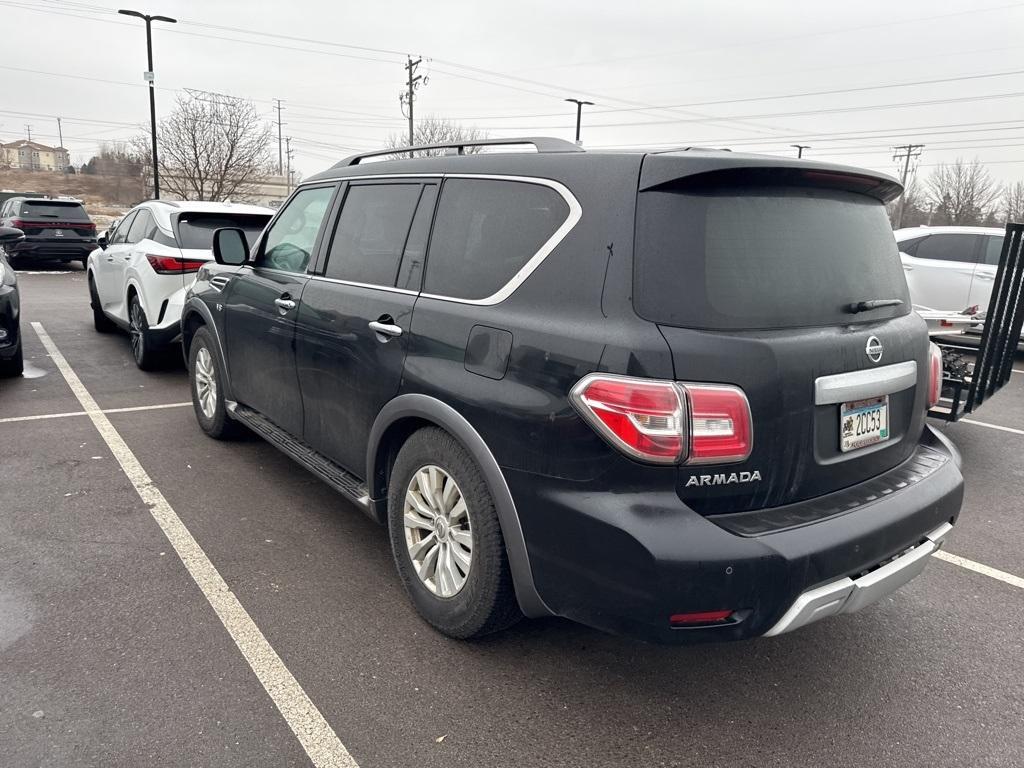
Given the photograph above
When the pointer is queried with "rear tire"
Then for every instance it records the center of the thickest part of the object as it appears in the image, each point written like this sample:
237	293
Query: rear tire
441	515
145	352
15	366
206	381
100	321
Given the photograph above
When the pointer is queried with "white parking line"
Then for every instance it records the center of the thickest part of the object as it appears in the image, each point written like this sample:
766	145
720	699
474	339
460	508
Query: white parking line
970	565
993	426
85	413
314	733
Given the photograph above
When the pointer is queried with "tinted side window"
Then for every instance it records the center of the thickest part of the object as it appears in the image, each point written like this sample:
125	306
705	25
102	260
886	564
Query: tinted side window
289	241
141	227
993	250
371	232
121	233
485	231
910	246
948	248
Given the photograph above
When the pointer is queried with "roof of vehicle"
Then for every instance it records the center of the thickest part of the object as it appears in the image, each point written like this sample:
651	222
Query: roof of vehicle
163	209
554	155
910	232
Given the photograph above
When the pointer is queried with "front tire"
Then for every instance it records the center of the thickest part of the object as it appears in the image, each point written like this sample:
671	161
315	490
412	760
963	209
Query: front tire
446	539
100	321
206	377
145	352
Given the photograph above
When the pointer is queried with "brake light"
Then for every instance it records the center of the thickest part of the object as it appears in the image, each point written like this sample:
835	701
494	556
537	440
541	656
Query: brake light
17	223
720	425
171	265
934	374
664	422
641	417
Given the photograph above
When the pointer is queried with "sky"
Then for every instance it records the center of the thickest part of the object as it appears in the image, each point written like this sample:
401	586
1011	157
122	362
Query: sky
851	80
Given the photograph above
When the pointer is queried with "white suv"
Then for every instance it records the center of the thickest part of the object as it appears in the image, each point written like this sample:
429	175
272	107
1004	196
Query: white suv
140	273
950	268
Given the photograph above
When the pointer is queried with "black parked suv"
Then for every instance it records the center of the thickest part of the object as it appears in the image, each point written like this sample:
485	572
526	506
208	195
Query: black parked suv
55	230
675	395
11	357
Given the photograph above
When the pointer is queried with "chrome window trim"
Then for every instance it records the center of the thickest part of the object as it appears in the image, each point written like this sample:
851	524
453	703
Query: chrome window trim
389	288
575	214
860	385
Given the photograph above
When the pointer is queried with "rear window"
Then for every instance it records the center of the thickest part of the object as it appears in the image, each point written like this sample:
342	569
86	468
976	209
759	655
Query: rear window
51	209
770	257
195	230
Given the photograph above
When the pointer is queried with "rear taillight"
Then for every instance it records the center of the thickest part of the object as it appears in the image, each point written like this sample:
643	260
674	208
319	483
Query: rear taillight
17	223
934	374
665	422
641	417
700	618
720	425
171	265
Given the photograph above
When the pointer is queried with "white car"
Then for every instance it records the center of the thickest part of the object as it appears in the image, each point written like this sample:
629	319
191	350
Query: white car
140	273
950	268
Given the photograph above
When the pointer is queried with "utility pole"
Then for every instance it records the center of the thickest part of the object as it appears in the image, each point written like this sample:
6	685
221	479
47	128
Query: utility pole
288	154
579	114
28	129
280	169
60	135
409	95
148	77
904	152
800	149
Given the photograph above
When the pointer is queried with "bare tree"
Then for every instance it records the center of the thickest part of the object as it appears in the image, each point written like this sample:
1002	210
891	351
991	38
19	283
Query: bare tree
1013	203
435	130
915	206
961	193
211	147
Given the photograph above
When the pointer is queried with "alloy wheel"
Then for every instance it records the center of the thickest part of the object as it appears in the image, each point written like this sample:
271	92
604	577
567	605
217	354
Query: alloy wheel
206	382
438	531
135	329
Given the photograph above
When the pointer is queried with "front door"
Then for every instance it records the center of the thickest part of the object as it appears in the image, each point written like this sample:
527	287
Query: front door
356	313
262	305
108	272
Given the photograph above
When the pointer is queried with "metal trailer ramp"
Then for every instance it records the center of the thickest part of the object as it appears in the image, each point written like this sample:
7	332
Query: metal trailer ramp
999	337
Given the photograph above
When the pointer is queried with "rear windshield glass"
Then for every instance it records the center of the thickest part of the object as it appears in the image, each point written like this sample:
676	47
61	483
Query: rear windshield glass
195	230
769	257
49	209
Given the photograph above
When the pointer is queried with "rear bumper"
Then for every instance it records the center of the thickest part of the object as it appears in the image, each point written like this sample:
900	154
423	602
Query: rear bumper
626	561
44	250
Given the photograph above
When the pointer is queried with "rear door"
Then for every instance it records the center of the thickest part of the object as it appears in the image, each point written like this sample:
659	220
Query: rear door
940	269
752	285
262	303
985	271
355	315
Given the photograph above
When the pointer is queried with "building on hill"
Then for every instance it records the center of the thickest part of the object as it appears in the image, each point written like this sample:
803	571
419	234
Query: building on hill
33	156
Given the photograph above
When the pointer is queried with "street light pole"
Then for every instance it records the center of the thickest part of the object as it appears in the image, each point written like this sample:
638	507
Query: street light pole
152	85
579	114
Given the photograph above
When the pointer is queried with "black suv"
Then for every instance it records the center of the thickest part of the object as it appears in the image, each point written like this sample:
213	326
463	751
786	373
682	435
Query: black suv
675	395
55	230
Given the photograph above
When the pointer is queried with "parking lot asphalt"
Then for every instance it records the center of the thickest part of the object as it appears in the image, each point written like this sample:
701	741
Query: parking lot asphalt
111	655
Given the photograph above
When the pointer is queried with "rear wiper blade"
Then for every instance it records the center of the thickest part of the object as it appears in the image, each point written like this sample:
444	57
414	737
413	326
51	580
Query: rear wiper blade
866	306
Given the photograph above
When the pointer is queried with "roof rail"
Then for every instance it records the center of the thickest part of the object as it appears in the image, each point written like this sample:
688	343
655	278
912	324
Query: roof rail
541	143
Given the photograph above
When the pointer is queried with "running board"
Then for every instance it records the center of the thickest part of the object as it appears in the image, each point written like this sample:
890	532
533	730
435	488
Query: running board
339	479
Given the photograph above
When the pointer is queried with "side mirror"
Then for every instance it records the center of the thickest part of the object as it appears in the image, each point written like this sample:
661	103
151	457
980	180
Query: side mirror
101	241
10	235
230	247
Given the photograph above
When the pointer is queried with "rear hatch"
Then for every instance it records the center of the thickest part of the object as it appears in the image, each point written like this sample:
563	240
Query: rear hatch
751	274
193	233
55	221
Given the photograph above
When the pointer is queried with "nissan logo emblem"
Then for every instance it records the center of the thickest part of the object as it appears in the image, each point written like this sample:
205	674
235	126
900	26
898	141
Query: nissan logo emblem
873	349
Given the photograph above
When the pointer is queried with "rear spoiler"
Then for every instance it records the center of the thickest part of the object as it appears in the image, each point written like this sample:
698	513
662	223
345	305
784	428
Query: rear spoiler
698	171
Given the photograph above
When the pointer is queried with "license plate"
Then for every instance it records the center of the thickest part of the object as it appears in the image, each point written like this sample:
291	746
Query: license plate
863	423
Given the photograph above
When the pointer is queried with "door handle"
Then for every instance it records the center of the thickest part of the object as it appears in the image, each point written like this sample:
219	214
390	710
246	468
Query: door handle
387	329
284	303
985	276
907	268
